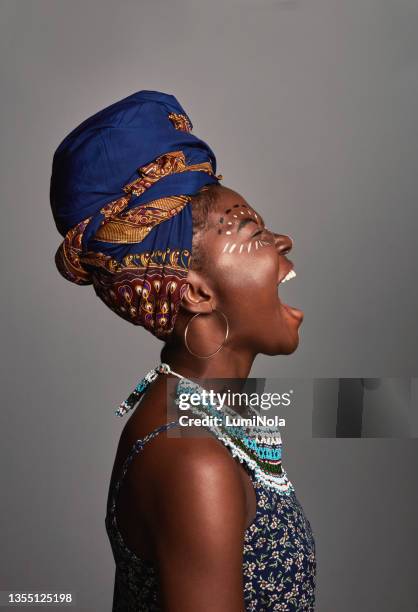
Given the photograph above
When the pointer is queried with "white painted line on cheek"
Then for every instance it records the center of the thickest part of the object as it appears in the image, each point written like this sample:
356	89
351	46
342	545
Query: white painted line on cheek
232	247
241	247
225	247
249	247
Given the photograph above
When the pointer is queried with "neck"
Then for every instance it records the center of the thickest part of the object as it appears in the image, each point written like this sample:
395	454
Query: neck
228	363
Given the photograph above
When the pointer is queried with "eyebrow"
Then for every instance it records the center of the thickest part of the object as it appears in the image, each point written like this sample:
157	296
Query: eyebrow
244	222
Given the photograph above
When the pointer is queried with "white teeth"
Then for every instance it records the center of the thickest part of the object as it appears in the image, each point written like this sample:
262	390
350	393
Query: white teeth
288	276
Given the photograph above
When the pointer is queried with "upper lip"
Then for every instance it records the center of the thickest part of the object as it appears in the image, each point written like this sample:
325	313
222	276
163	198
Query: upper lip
285	268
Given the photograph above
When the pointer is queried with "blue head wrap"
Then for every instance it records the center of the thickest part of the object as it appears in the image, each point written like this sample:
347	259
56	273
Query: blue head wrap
120	193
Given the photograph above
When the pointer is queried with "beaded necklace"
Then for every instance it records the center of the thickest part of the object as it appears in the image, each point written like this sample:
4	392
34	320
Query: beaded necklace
260	448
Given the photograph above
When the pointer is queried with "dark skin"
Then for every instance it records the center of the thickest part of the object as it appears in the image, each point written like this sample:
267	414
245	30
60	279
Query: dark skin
185	505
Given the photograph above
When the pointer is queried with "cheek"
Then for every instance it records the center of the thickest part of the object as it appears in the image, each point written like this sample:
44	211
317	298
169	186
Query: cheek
247	280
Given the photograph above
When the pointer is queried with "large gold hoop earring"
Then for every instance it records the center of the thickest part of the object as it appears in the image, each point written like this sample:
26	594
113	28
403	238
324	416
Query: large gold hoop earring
186	329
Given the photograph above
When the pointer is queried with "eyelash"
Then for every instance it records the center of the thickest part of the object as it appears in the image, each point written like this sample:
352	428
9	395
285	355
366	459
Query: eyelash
263	231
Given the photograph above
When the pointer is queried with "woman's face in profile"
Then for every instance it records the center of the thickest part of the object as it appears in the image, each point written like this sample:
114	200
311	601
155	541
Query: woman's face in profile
249	263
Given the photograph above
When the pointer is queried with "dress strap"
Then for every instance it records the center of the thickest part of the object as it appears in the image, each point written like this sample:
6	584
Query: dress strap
141	442
136	448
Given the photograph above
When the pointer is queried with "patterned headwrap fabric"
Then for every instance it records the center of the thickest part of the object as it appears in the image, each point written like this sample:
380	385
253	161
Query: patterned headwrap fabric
121	189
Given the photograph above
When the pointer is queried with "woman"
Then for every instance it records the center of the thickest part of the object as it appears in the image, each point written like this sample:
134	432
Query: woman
201	523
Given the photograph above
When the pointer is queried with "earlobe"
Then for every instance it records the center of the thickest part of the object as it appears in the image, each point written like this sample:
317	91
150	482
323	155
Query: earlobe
197	298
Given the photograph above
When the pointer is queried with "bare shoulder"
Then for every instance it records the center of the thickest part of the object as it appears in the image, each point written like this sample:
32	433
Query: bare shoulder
194	475
203	474
198	526
195	515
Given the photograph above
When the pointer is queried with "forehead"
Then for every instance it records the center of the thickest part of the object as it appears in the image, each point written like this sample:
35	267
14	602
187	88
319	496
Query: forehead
231	203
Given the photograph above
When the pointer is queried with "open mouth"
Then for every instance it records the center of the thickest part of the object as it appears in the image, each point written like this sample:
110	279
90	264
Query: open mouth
289	275
294	312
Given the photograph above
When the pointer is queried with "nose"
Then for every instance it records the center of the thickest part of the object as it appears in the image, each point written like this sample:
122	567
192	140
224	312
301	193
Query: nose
283	243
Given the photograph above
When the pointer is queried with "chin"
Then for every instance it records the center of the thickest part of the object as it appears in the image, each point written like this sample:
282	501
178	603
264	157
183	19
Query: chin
292	346
282	347
288	335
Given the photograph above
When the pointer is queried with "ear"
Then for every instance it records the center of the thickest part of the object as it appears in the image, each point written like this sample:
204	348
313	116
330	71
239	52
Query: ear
199	297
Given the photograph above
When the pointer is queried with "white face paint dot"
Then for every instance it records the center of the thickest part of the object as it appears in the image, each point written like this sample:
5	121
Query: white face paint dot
228	232
229	222
241	212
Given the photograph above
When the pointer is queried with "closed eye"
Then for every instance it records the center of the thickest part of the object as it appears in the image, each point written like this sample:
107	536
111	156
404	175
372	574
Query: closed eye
263	230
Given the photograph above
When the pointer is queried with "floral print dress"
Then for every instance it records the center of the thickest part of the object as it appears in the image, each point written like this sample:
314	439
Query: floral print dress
279	563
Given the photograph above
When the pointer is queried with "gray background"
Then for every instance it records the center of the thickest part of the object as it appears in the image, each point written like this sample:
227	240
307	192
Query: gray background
311	109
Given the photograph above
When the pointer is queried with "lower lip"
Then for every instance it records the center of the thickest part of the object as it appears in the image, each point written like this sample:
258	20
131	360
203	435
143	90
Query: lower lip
294	312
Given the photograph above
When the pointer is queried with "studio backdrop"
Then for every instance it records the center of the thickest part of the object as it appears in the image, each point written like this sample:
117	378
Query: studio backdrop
311	107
